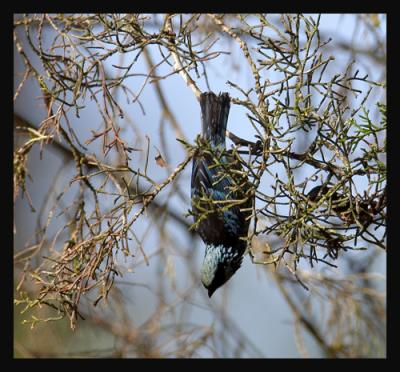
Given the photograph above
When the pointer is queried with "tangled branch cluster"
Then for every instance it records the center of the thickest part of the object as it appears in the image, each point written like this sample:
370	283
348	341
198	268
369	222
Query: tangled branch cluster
315	140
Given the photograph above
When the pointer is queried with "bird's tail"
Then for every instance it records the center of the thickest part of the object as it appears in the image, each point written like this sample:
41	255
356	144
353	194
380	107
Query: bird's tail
214	117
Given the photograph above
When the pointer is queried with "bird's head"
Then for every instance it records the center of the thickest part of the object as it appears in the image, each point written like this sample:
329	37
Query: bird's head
219	264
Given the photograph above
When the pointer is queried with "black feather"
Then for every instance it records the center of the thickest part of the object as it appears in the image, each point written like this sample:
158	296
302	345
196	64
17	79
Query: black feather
212	182
214	117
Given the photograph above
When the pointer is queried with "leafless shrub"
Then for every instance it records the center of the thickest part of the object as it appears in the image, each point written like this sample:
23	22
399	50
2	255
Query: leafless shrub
318	137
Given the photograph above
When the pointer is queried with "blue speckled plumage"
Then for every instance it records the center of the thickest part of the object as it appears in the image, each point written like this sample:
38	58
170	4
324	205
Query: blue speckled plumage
220	230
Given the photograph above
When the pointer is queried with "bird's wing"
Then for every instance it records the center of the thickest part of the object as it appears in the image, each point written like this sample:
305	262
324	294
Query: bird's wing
208	182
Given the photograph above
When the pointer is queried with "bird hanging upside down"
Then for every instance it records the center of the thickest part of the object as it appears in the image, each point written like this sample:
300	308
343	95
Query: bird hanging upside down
221	204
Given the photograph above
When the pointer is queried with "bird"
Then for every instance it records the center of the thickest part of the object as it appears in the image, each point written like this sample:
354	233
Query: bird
341	205
221	204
